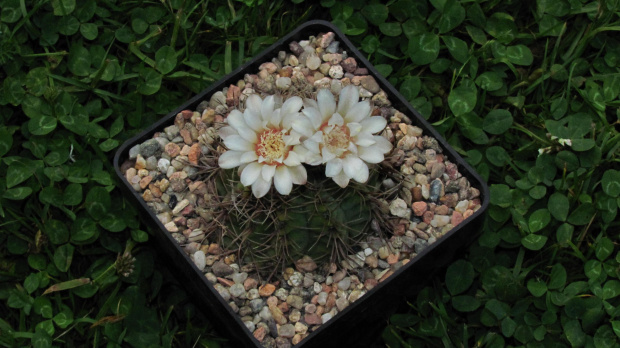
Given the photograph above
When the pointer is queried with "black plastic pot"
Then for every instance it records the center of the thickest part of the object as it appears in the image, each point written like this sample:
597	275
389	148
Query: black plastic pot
361	322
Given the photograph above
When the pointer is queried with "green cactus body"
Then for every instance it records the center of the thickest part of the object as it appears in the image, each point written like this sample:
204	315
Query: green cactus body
319	219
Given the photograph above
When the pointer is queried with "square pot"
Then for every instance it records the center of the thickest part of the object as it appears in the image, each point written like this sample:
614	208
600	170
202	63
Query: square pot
358	324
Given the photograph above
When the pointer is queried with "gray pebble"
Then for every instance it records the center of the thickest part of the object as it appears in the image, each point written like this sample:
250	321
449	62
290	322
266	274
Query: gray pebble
322	298
217	99
257	305
296	48
250	325
239	277
282	342
269	342
344	284
295	301
222	291
287	330
233	306
150	148
342	303
134	151
419	245
296	279
172	131
202	106
237	290
211	278
265	313
369	83
151	163
245	311
281	294
435	190
253	294
221	269
382	264
333	47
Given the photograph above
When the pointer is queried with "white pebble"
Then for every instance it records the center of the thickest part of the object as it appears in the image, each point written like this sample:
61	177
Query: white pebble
180	206
326	317
336	72
163	165
461	206
283	82
250	325
440	220
313	62
398	207
199	259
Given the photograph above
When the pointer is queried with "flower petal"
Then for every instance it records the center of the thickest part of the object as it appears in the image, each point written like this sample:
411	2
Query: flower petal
230	159
303	126
248	134
293	159
364	139
333	167
354	128
383	144
276	119
249	156
314	115
312	158
235	119
327	103
266	108
237	143
299	176
267	172
370	154
250	173
336	119
254	102
355	168
282	180
292	138
226	131
374	124
341	179
253	119
358	112
312	145
327	155
260	187
348	97
292	106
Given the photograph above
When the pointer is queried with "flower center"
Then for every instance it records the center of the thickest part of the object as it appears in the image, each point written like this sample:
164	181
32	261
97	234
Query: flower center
336	139
271	148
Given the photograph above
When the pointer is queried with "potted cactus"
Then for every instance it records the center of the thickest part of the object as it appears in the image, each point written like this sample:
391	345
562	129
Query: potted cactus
301	190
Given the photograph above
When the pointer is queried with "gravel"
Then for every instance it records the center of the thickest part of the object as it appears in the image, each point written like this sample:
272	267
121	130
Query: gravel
432	198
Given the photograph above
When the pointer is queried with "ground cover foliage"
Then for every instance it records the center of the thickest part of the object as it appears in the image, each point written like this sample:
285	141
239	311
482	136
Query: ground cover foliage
526	91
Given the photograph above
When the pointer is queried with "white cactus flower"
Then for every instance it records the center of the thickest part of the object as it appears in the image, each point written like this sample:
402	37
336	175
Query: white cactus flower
341	136
261	143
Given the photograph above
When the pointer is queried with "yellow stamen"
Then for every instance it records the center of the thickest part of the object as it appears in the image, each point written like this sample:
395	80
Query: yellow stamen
271	147
336	139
